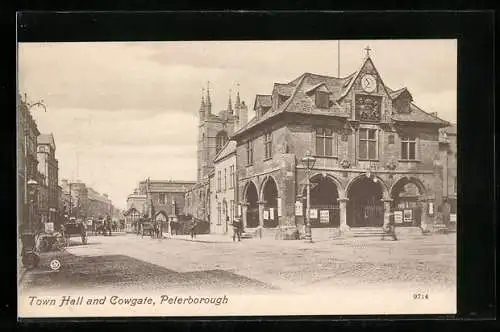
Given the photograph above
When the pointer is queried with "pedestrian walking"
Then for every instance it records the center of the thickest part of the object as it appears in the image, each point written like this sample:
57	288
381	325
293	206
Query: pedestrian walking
389	229
237	228
193	229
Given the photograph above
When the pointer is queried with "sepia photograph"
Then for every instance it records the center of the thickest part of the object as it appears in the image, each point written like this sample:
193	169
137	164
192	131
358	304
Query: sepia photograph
237	178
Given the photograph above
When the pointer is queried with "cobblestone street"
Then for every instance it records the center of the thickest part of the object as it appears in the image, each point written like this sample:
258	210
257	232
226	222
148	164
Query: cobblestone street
129	261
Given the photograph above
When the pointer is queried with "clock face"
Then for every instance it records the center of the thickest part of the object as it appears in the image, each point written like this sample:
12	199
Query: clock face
368	83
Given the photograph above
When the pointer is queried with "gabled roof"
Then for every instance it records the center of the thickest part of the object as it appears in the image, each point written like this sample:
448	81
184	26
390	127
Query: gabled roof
132	209
301	100
283	89
47	139
451	129
227	149
395	94
320	87
263	101
354	77
416	114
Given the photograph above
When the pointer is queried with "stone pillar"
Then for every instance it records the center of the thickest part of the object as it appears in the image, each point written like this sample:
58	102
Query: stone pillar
261	213
426	220
387	210
343	213
244	207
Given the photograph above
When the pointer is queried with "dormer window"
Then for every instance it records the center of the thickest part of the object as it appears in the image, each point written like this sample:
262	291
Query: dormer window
322	99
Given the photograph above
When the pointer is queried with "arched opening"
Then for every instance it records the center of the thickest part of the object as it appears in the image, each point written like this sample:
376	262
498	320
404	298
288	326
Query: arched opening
406	204
161	219
220	141
270	196
324	202
365	207
251	198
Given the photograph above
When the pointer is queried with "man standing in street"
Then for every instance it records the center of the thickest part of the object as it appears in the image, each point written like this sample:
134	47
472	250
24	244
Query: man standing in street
193	229
237	229
389	228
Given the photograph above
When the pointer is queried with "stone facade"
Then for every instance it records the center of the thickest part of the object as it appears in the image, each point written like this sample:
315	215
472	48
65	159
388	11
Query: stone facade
369	143
27	167
165	200
136	209
99	205
214	131
223	190
48	166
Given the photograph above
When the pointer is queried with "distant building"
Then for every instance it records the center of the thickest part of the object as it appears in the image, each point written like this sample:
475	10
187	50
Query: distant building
48	166
159	200
75	199
99	205
136	209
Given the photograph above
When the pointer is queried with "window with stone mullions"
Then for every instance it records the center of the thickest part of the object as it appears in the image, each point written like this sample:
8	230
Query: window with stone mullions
218	181
268	144
225	178
231	177
368	144
324	142
408	148
249	153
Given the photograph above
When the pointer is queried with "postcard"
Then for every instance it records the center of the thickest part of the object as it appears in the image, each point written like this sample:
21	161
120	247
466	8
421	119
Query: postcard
248	178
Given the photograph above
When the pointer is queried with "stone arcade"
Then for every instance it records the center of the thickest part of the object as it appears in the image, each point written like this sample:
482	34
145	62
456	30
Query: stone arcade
376	152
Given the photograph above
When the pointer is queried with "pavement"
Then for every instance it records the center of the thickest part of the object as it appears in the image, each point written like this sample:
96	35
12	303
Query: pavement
214	262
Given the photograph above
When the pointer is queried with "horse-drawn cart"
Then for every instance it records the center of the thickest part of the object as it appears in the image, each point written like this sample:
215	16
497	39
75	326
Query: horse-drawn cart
74	229
150	229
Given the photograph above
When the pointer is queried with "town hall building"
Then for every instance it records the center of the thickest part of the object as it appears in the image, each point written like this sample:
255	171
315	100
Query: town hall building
376	153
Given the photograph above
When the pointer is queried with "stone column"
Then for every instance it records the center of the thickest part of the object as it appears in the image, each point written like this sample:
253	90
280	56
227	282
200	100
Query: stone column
244	207
343	214
387	210
261	213
426	221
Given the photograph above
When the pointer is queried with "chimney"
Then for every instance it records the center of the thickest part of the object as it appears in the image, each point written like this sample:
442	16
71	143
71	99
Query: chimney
434	113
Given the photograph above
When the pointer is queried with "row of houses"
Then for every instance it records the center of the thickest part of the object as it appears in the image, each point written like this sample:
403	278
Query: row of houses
375	153
38	193
84	202
40	197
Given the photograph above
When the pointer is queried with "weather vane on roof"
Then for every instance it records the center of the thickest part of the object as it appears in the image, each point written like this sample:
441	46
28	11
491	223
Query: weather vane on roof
368	49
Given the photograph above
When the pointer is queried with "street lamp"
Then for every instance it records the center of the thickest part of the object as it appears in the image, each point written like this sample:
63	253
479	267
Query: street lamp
308	161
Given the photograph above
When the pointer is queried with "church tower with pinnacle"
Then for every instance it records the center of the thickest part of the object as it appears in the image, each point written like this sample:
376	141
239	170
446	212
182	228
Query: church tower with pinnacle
214	130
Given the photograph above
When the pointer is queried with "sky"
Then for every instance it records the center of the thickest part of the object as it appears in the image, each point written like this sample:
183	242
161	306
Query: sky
122	112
